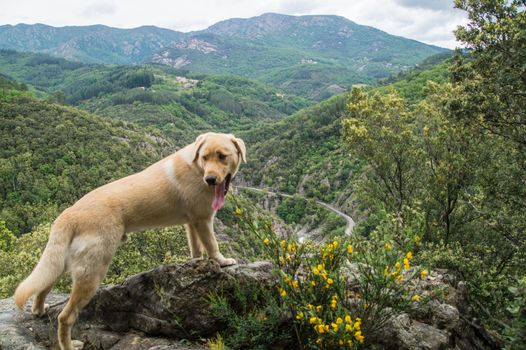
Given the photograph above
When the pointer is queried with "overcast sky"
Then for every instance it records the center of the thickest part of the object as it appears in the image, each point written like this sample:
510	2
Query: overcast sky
429	21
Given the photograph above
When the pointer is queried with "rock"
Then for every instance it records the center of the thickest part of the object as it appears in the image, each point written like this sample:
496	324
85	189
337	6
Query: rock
410	334
170	301
445	316
158	308
441	323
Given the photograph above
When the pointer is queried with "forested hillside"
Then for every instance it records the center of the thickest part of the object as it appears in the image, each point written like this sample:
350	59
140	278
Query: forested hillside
51	155
304	153
179	103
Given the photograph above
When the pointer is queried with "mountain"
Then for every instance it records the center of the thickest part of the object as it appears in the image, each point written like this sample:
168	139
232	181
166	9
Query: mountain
312	56
92	44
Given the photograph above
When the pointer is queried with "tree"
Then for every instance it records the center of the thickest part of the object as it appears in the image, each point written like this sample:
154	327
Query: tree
451	155
379	129
494	76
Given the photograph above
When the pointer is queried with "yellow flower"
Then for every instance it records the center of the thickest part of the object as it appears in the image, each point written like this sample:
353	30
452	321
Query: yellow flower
409	255
313	283
266	241
309	306
283	243
283	293
397	265
326	328
349	343
335	327
348	328
357	324
316	271
287	279
291	247
335	244
313	320
349	249
340	342
406	264
358	335
388	246
333	304
320	328
238	211
386	271
295	284
288	257
339	320
416	297
318	308
348	319
330	281
423	274
299	316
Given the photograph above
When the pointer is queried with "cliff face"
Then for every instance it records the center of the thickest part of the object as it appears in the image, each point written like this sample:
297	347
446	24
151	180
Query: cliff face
158	308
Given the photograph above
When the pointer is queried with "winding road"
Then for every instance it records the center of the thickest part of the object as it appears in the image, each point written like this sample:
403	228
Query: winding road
350	222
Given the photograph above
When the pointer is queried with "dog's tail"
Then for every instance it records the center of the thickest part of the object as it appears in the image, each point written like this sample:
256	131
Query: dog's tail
50	266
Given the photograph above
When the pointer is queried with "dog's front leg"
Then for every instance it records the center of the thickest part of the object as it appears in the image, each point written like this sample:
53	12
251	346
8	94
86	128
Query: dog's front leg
205	232
194	242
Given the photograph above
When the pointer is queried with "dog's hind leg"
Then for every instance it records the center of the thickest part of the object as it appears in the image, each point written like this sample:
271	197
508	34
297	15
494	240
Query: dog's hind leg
39	308
88	265
82	292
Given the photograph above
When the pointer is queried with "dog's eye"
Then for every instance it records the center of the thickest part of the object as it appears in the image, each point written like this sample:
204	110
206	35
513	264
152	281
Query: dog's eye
205	158
221	156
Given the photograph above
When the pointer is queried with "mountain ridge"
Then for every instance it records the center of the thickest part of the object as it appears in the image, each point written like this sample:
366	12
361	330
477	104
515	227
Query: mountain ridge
314	56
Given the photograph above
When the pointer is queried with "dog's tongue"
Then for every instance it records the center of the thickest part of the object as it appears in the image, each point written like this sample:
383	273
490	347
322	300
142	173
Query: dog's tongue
219	196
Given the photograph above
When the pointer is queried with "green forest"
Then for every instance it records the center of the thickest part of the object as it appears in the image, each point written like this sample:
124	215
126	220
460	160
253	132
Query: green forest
429	162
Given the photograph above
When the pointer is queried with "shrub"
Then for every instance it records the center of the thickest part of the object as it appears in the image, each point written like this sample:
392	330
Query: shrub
341	293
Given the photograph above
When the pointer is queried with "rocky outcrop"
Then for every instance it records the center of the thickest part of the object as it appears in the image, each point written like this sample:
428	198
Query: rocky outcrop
154	309
158	308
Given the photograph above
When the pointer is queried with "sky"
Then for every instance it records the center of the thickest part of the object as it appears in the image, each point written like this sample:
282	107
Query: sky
429	21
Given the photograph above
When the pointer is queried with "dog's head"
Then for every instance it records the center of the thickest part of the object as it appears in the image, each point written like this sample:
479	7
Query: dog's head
219	156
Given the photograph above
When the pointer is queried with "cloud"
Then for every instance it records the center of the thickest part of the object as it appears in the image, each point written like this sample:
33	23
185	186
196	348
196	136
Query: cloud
97	9
441	5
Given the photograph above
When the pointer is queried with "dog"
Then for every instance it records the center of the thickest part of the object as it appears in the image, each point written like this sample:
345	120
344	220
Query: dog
187	187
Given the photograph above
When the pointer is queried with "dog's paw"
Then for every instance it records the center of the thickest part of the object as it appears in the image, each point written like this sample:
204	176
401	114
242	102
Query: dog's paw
227	262
77	344
42	312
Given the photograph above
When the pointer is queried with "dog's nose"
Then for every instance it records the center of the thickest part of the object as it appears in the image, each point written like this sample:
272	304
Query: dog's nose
211	180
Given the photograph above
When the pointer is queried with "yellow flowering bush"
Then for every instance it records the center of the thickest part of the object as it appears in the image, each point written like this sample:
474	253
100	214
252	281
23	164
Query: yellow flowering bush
312	288
331	306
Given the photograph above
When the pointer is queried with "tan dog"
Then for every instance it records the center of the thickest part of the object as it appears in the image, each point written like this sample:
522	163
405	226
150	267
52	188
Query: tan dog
187	187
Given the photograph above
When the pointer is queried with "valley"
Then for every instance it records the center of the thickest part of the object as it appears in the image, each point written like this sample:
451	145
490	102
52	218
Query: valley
372	161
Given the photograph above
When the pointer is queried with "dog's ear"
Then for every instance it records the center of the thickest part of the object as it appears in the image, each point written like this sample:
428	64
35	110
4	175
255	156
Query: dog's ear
198	143
240	145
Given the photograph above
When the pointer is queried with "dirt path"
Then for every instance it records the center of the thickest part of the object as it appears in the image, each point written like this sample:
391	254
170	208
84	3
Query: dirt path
348	219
